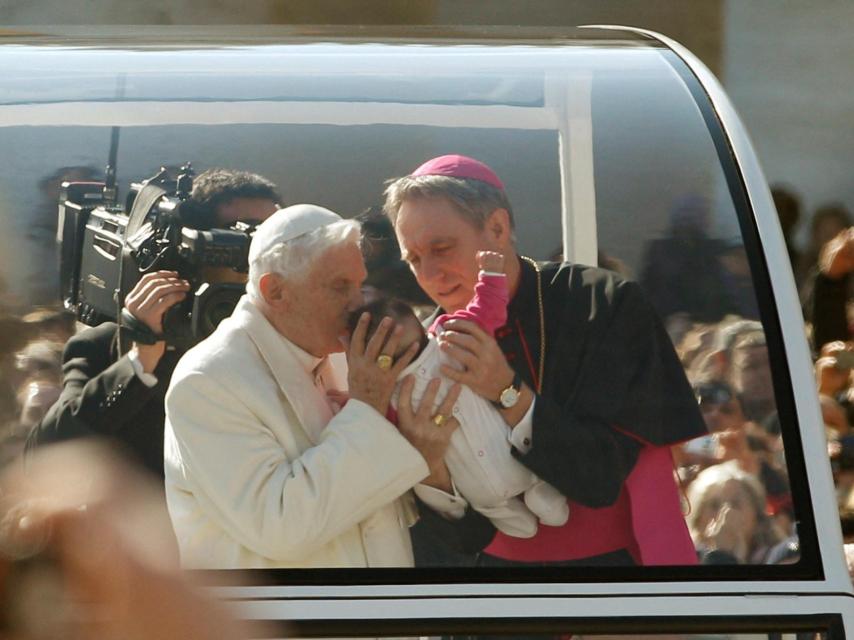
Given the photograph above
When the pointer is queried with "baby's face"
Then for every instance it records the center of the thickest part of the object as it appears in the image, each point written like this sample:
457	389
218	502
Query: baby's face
412	331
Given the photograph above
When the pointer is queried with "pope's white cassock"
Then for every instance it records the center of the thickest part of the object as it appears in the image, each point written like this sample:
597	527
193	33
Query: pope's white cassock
261	473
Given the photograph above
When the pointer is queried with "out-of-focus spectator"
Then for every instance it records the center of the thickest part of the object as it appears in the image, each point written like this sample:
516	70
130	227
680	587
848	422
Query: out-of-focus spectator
34	398
728	521
86	552
40	359
50	324
737	280
707	349
835	375
726	439
739	357
833	290
681	272
750	376
695	344
833	416
828	222
720	406
788	206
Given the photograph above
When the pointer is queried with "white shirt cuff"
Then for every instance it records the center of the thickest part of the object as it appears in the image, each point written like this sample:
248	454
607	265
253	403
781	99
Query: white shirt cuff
148	379
522	435
449	506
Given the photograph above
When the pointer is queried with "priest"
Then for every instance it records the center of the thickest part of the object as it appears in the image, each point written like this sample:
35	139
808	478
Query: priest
583	372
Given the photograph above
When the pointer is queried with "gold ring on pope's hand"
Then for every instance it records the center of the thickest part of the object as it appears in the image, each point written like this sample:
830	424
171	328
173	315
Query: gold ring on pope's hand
439	419
384	362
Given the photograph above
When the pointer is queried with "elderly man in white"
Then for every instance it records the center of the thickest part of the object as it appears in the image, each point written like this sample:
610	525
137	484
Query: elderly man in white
260	469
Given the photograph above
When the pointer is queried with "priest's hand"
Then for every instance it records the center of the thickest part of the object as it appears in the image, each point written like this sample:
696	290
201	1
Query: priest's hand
486	370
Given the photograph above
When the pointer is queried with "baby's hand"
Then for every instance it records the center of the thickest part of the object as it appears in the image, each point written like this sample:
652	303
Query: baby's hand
490	261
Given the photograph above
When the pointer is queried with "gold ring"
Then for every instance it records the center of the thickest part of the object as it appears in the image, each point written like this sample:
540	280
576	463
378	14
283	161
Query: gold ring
439	419
384	362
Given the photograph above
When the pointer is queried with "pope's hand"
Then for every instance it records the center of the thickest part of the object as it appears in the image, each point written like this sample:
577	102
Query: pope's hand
367	380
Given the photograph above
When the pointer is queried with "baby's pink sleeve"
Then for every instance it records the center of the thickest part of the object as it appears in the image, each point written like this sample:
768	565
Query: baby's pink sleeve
488	306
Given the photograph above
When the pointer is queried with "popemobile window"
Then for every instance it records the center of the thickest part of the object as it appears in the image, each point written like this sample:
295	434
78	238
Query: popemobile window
492	306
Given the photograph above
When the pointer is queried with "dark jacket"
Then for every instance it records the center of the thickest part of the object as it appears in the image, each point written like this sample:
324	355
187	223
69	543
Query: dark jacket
102	396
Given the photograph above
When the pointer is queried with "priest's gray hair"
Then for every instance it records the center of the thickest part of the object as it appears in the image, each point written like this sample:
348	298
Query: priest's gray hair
294	259
473	199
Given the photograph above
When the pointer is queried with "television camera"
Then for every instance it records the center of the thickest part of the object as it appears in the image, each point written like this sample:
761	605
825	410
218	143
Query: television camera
105	248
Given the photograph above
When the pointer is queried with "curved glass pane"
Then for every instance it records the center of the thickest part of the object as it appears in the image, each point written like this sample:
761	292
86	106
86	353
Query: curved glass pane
605	155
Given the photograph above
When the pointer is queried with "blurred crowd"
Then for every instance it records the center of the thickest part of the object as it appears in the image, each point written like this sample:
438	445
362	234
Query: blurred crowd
737	490
31	346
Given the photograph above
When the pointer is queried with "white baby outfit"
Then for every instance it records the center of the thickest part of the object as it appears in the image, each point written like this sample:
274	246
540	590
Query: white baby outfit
482	468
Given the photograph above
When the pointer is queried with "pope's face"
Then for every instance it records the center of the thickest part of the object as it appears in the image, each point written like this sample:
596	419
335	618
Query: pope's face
322	302
440	246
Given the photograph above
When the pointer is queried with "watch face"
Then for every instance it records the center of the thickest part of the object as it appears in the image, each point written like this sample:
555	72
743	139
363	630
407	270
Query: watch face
509	397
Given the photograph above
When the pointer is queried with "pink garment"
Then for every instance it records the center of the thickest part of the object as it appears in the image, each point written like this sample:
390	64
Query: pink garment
488	306
657	521
646	520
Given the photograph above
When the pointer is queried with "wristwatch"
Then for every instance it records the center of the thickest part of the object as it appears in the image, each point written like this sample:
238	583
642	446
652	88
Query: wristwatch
510	396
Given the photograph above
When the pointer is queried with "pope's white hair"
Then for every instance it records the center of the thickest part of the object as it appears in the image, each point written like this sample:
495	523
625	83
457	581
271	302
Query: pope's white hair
294	259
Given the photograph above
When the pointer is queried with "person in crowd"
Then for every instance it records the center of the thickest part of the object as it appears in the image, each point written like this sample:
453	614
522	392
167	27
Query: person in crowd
833	291
750	376
728	518
682	272
479	459
116	390
48	323
737	280
709	354
582	355
260	469
827	222
788	206
834	377
726	439
58	580
753	448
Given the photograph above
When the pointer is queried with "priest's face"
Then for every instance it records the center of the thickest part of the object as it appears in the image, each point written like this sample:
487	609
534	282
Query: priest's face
440	245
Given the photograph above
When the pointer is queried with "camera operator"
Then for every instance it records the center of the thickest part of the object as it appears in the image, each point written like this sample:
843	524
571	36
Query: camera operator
121	397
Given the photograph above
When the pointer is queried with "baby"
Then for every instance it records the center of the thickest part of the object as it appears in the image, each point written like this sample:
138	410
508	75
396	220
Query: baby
479	460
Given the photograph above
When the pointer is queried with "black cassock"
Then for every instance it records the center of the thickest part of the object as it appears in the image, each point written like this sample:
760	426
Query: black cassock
612	383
